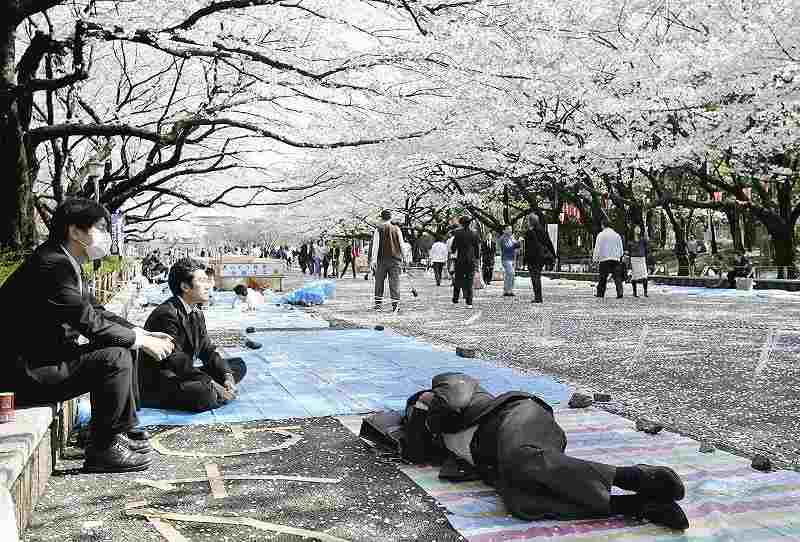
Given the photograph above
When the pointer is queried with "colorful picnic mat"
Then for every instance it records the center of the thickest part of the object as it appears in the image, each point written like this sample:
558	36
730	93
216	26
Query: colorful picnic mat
726	500
298	374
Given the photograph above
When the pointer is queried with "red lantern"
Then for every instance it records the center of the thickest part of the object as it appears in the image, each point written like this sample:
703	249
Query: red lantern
561	217
717	196
748	192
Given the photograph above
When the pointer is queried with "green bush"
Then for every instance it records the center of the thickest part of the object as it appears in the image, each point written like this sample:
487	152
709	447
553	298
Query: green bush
9	261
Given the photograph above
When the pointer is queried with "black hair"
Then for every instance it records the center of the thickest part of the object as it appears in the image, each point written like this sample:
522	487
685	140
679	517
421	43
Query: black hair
210	271
240	289
81	212
386	215
182	271
464	220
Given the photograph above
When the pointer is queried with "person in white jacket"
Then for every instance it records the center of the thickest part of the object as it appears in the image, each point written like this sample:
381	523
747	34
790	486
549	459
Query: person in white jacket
438	258
608	253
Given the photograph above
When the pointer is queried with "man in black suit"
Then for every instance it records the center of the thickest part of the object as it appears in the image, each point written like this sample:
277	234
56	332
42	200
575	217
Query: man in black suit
467	250
61	344
178	383
514	443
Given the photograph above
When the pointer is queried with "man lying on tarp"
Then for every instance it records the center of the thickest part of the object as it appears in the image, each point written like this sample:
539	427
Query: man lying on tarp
514	443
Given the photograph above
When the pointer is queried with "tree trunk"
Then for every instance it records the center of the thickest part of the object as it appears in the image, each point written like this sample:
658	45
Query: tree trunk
733	224
784	254
713	233
17	230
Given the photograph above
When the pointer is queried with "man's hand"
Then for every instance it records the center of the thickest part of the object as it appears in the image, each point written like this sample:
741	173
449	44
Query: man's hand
159	346
230	383
224	394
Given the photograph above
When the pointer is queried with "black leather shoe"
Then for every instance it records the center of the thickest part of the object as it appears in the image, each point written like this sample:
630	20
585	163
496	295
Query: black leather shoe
139	434
117	457
139	446
661	483
668	514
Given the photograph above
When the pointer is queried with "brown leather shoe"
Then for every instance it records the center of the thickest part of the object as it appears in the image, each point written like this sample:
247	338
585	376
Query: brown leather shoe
117	457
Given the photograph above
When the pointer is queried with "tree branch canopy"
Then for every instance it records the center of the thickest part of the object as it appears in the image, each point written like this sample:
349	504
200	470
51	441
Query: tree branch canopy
55	131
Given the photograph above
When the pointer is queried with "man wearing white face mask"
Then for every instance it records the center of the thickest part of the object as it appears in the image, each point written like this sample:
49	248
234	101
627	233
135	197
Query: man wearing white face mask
54	308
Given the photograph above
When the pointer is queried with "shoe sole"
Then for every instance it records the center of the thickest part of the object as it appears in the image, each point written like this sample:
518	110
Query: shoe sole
100	469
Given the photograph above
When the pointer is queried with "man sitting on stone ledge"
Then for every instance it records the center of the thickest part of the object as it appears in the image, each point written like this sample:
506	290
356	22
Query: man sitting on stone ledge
59	343
514	443
180	382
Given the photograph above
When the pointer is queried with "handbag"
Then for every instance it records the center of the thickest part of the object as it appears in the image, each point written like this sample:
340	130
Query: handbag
477	281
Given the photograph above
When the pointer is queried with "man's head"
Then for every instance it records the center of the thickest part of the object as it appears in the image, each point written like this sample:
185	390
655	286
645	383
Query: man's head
241	291
188	280
604	223
82	226
465	220
533	221
386	214
507	229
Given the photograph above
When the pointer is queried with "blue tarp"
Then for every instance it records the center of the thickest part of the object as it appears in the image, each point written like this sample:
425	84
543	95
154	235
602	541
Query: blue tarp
306	374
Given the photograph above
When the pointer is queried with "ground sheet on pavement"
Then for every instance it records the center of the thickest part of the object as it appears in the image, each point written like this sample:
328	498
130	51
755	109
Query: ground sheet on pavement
726	500
302	374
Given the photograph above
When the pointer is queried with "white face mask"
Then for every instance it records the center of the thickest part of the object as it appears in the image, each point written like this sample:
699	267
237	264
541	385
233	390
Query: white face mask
99	245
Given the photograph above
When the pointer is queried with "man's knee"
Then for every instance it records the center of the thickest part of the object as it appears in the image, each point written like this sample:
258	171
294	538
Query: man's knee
117	357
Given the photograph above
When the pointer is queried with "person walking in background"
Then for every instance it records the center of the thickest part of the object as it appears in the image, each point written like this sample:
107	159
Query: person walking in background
508	255
608	253
350	255
539	251
438	258
467	249
487	259
334	258
326	260
691	252
639	251
386	257
315	252
302	258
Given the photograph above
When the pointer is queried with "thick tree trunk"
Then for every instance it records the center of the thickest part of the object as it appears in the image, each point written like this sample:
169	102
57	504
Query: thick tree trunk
784	254
733	224
17	231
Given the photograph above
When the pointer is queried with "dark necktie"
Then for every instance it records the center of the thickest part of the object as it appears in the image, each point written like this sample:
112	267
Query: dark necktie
194	329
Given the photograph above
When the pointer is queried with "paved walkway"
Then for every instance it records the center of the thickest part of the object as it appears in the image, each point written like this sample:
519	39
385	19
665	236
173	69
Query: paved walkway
308	476
716	365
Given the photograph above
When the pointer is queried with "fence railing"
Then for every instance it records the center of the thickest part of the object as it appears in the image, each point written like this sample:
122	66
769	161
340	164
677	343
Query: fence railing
775	272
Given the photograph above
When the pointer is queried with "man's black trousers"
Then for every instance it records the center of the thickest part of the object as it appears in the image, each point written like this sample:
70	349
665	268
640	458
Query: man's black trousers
536	281
437	272
609	267
106	373
462	281
192	389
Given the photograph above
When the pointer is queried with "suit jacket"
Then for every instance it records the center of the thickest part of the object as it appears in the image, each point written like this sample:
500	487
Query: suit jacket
467	247
539	250
190	341
51	311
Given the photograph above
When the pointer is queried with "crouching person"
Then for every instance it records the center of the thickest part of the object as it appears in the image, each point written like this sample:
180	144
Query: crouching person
514	443
195	376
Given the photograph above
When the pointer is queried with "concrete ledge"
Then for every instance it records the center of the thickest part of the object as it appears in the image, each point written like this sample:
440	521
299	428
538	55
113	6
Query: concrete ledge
27	457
